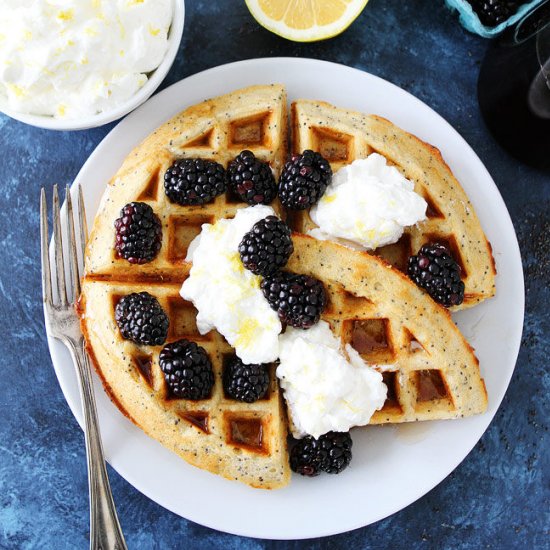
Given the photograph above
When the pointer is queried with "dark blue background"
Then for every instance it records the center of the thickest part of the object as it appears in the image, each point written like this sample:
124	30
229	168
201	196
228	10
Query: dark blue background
497	498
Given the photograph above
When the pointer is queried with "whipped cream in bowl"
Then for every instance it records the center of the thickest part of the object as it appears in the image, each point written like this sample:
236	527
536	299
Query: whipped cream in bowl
367	205
70	65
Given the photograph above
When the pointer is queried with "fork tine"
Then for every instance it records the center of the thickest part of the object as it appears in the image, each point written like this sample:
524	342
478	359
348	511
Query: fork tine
59	262
82	223
82	218
73	255
46	273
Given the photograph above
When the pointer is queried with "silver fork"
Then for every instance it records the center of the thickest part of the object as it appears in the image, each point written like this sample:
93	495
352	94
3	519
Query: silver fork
62	322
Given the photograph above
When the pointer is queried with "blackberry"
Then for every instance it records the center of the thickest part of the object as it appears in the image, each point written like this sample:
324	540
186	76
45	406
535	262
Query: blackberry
141	319
494	12
266	247
246	383
138	233
304	180
251	179
436	271
330	453
194	181
187	370
337	445
298	299
307	457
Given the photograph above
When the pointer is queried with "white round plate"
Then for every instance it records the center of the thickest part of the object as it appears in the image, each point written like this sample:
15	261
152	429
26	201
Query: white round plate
394	465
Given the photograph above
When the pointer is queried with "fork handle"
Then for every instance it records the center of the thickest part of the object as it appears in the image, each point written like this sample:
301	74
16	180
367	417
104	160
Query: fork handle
105	531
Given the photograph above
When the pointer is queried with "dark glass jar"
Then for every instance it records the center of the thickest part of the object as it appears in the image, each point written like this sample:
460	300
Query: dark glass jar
514	88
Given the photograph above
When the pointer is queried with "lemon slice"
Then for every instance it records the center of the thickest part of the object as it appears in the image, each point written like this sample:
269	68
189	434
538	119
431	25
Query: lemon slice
306	20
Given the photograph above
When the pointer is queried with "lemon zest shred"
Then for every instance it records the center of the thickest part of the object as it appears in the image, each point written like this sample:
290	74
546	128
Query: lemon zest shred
247	332
66	15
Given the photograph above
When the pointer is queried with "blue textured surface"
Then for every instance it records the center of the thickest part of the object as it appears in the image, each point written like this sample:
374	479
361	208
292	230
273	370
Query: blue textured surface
497	498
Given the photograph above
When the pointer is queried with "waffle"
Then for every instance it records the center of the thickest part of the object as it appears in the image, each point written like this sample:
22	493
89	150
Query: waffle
342	136
429	368
241	441
432	372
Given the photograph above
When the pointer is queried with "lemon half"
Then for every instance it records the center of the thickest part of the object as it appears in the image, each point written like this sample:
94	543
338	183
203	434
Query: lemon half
306	20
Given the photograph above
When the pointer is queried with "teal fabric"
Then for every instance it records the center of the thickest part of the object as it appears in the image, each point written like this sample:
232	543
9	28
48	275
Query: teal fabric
470	21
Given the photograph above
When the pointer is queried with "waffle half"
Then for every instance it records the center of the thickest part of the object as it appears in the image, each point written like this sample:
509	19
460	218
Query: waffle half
245	442
343	136
431	371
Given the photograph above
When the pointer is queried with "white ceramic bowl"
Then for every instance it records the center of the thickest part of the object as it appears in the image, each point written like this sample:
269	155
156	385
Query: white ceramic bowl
143	94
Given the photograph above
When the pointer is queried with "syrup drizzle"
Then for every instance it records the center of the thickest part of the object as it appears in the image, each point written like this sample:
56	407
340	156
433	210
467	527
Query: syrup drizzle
246	432
432	211
144	365
198	419
430	386
390	379
369	335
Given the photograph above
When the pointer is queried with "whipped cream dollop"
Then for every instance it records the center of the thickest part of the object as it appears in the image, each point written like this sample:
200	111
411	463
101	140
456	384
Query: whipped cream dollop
367	204
73	58
324	389
228	296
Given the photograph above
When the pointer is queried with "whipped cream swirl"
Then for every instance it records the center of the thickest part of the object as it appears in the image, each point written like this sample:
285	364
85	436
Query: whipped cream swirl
367	205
